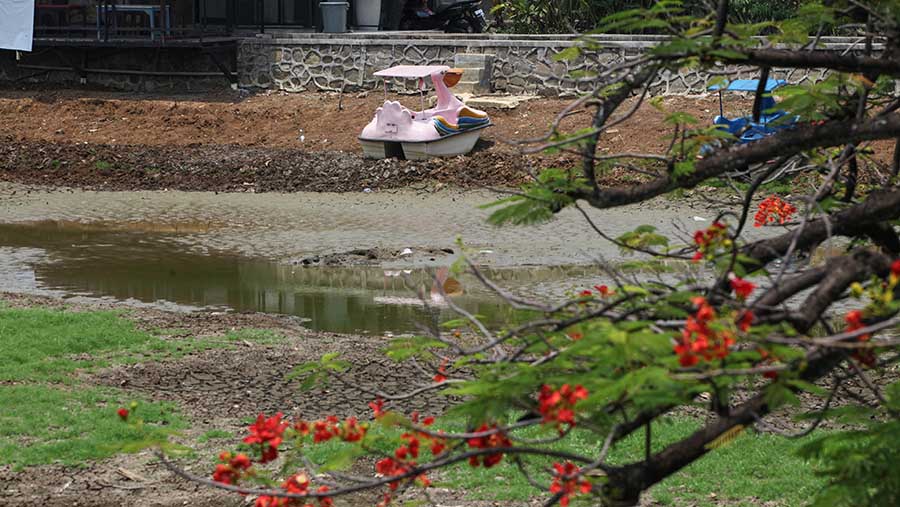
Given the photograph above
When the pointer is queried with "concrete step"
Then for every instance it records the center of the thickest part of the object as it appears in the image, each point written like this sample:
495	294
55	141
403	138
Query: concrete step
473	87
473	59
476	78
488	101
473	74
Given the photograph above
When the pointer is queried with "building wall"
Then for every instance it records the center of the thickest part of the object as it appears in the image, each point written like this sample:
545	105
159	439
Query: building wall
525	64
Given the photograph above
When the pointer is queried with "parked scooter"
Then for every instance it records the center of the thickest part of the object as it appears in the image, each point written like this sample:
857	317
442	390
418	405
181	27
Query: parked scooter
462	17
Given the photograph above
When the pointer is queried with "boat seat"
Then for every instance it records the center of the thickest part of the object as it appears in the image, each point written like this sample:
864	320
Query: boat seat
467	118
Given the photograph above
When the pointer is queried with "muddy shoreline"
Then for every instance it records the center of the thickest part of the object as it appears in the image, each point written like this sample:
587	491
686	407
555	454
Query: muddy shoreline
291	227
230	168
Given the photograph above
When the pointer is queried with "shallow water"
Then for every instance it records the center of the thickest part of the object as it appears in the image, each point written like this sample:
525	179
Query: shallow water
293	226
151	265
237	251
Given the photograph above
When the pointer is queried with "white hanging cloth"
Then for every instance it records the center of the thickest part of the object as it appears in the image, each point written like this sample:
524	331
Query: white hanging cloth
16	24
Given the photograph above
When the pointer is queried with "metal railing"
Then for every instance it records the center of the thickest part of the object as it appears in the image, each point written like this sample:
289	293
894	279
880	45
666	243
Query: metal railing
106	20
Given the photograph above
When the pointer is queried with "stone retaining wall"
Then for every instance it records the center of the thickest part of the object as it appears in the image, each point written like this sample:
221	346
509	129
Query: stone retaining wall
522	65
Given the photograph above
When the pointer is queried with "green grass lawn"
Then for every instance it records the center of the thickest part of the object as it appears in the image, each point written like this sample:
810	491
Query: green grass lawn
47	416
752	469
43	424
48	345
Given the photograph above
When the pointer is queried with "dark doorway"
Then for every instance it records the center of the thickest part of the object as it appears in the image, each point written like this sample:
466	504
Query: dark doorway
274	12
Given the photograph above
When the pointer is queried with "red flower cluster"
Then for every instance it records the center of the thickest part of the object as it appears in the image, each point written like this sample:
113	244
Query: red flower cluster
377	407
410	449
708	239
349	431
566	482
231	468
297	484
494	440
698	340
767	358
895	273
324	430
414	417
773	208
390	467
123	414
558	405
442	369
742	288
604	291
745	320
405	456
854	322
268	434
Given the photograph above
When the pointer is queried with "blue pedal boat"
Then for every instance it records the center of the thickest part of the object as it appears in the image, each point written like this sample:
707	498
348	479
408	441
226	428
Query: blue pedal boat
744	128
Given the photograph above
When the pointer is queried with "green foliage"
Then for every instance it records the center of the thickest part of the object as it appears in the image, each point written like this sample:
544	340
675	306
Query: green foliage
317	373
643	237
818	101
401	349
860	465
538	201
809	18
624	362
569	53
756	11
631	16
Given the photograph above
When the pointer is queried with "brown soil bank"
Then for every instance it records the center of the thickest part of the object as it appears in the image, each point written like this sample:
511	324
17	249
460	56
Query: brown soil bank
267	142
230	141
231	168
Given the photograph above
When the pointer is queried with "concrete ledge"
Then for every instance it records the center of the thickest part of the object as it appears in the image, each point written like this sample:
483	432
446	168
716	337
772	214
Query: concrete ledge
500	40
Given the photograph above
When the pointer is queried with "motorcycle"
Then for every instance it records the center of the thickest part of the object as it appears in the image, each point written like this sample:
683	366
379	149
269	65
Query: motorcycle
462	17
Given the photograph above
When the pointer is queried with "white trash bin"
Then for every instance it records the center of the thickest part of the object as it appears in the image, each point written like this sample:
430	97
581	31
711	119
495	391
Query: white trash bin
334	16
368	15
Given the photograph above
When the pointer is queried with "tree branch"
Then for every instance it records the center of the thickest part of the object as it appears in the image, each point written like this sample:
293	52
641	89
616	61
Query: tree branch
785	143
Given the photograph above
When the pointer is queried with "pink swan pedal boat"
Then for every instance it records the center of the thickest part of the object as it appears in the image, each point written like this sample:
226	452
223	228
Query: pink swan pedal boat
450	128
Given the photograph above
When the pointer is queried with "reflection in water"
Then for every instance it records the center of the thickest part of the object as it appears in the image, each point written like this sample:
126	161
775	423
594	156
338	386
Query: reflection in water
152	266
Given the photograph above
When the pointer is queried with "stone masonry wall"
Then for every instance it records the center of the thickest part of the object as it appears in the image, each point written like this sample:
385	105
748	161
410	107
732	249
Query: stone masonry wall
318	62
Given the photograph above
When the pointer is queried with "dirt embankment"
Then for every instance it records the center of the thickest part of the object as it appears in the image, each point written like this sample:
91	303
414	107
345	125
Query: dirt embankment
269	142
236	142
